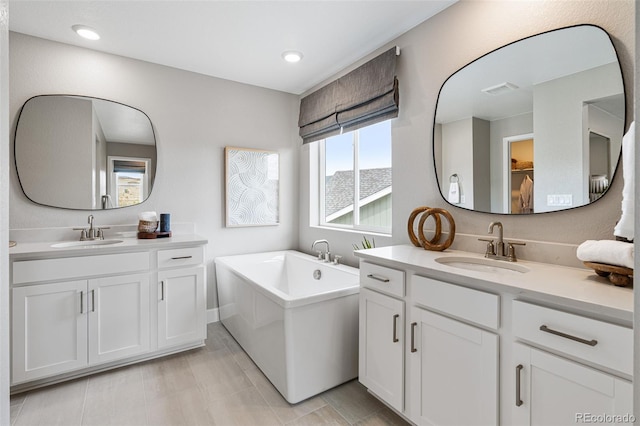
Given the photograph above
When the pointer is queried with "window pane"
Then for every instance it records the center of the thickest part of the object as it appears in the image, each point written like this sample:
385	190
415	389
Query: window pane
374	161
129	188
338	175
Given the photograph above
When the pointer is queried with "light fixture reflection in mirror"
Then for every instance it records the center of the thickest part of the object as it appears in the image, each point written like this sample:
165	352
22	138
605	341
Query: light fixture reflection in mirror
534	126
83	153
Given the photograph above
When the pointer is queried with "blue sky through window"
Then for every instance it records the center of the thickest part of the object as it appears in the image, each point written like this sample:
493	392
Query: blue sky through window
375	149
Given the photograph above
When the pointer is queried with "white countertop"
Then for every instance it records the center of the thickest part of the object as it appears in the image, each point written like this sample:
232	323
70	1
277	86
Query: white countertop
128	244
573	287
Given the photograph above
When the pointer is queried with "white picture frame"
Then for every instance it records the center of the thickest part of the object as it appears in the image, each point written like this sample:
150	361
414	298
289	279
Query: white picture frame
252	187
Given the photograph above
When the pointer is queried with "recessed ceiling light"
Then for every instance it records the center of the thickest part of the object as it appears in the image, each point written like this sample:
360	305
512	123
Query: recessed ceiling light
86	32
292	56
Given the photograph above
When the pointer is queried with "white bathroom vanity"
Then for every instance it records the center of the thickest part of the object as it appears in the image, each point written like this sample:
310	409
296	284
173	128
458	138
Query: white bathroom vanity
454	338
78	308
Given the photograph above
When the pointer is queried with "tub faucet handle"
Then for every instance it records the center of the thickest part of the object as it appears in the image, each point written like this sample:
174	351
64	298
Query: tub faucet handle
336	259
320	254
327	257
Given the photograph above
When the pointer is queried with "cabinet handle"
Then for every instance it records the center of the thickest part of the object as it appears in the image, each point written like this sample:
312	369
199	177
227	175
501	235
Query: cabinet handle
378	278
161	290
181	257
82	302
93	300
395	328
519	368
591	342
413	337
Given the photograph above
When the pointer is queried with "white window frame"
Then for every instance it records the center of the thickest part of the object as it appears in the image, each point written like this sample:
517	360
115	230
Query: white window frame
356	192
112	189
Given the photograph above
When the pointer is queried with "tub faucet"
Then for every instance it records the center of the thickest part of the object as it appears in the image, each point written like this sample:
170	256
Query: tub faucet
324	256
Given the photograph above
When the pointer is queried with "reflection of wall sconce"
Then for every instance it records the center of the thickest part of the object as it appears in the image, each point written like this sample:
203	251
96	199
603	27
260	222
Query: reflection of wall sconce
454	189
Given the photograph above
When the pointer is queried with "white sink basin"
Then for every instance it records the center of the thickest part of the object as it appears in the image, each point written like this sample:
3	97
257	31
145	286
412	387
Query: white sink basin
482	264
88	243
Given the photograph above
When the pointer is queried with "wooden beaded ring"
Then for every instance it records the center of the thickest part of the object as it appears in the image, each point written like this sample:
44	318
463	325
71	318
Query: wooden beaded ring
412	235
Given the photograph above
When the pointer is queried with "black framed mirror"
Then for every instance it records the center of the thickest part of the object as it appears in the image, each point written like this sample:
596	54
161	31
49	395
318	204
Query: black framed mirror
534	126
84	153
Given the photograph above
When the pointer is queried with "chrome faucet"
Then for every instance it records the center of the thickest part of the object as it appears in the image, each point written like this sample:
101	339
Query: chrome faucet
499	245
324	256
91	233
495	249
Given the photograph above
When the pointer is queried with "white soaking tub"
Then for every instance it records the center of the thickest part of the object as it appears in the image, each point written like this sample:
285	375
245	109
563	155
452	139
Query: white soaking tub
302	332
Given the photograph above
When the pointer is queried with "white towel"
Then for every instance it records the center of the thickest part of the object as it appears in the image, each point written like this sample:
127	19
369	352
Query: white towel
454	193
609	252
624	228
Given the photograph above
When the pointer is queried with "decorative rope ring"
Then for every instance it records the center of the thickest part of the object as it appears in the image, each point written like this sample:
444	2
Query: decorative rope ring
412	218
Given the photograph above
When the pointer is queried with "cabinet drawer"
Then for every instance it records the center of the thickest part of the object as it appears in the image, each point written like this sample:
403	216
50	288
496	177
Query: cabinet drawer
595	341
381	278
27	271
461	302
180	257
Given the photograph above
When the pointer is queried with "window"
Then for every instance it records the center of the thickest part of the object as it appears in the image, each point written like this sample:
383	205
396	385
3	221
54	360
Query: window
129	183
355	179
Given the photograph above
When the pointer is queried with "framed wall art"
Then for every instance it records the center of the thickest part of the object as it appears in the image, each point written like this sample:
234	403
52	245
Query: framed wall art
252	179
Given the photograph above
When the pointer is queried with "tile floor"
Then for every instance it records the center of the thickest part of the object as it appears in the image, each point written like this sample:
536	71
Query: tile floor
214	385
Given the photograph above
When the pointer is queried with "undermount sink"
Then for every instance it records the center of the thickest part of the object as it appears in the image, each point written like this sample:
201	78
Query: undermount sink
87	243
482	264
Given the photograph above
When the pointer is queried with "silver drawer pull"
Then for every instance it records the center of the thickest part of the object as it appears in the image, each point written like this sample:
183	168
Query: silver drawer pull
395	328
181	257
413	337
546	329
378	278
519	368
82	302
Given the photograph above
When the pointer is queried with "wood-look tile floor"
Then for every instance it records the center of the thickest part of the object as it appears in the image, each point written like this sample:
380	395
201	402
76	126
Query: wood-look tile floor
214	385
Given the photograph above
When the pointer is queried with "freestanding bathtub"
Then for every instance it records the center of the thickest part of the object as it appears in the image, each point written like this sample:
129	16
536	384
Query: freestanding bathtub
295	316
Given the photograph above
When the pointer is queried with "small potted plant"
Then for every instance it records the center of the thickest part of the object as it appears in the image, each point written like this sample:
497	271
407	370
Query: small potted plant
366	244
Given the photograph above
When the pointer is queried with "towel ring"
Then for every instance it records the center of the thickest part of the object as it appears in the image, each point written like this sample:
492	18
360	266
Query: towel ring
454	176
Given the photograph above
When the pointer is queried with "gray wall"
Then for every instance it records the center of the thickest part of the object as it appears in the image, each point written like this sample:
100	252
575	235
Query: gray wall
429	54
194	118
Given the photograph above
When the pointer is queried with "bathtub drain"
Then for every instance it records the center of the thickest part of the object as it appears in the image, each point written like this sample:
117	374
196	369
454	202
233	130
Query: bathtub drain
317	274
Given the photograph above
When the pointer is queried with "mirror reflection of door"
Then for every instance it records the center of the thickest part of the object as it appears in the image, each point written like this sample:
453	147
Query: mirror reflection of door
599	165
128	181
519	174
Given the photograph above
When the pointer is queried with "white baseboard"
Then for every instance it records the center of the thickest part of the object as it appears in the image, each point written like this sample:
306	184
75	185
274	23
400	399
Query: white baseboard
213	315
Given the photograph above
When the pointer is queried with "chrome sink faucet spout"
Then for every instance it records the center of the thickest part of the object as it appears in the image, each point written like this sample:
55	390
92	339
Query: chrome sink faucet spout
322	255
495	249
91	233
499	245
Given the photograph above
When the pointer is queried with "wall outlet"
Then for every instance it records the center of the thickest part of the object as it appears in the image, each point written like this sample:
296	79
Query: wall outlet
559	200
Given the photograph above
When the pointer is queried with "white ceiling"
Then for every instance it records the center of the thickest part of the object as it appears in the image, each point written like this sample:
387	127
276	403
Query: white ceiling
236	40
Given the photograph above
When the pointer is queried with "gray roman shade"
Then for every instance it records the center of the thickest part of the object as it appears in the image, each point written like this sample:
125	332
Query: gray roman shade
129	166
366	95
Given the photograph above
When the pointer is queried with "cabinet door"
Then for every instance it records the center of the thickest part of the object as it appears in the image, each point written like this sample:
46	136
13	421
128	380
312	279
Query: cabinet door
454	371
551	390
118	317
49	326
381	355
181	306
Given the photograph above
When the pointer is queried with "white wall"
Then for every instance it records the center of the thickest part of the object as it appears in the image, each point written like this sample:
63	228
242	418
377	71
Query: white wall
429	54
74	151
4	213
561	168
194	118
